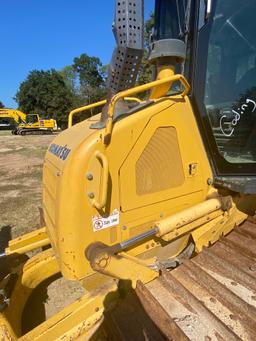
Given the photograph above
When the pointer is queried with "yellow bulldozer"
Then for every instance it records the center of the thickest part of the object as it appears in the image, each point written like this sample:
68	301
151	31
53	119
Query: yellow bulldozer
151	208
30	124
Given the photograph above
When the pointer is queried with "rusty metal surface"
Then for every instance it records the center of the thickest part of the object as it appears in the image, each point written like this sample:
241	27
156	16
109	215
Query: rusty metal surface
128	320
209	297
213	295
158	315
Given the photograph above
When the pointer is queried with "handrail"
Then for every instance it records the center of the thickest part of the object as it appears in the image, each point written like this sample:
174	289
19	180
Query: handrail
81	109
94	105
139	89
133	99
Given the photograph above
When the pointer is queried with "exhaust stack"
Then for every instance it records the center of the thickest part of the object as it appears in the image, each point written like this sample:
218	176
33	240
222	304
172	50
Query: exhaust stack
168	48
128	29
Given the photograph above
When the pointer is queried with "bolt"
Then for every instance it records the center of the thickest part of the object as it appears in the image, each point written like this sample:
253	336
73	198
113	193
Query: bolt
209	181
161	215
124	227
91	195
89	176
102	260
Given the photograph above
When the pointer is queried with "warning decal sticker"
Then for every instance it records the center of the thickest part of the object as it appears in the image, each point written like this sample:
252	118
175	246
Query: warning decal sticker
100	223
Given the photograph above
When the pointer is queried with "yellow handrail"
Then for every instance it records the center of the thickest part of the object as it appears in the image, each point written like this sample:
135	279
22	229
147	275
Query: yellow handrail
139	89
94	105
81	109
133	99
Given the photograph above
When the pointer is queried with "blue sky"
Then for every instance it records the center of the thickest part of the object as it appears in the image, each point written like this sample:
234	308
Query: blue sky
45	34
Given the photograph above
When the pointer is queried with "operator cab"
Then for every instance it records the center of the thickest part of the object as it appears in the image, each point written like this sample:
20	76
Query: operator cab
221	68
224	85
230	87
32	119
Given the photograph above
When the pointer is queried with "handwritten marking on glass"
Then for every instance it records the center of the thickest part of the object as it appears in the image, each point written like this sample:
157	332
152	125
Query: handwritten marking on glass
237	116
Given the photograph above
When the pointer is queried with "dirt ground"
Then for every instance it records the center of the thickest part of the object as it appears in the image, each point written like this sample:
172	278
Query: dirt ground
21	163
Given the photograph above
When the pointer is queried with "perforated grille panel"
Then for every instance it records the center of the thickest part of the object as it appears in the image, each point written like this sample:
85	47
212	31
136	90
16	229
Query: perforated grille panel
124	68
128	26
160	166
128	31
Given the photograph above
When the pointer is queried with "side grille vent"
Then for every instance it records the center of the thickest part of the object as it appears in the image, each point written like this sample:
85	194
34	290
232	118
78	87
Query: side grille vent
160	166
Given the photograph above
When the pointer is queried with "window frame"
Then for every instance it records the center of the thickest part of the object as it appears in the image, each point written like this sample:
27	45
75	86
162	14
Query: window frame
200	35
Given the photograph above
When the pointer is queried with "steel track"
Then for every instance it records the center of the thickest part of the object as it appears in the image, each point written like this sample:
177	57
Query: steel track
209	297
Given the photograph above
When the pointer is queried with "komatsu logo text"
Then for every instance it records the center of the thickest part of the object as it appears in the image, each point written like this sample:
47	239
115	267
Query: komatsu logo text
60	151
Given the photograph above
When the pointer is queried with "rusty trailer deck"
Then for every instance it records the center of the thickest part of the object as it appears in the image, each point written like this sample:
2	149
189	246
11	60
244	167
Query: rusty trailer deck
209	297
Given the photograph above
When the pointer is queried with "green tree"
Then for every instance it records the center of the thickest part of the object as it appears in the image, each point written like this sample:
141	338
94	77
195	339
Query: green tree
46	93
70	77
1	105
145	73
91	75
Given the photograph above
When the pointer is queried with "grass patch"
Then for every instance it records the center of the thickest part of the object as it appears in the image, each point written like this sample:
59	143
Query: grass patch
26	152
21	212
12	187
8	152
5	133
33	152
21	181
37	173
3	172
34	173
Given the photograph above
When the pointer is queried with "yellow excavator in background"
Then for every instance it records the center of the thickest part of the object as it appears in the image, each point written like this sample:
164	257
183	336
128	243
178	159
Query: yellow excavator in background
30	124
151	208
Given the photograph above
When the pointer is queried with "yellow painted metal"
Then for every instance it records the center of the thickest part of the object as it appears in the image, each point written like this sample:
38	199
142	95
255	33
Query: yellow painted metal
155	84
178	230
101	203
163	72
76	320
187	216
68	210
23	119
133	99
72	322
175	116
97	181
34	272
210	233
28	242
17	115
123	266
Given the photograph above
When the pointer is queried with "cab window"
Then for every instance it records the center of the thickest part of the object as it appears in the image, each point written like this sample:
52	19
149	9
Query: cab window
230	92
31	119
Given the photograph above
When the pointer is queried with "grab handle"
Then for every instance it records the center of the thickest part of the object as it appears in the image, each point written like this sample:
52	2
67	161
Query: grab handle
101	202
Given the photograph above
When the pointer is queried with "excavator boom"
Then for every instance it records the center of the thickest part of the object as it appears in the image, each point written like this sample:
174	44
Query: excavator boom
28	124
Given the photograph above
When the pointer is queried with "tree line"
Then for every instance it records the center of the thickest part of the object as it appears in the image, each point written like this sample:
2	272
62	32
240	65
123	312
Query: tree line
54	93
